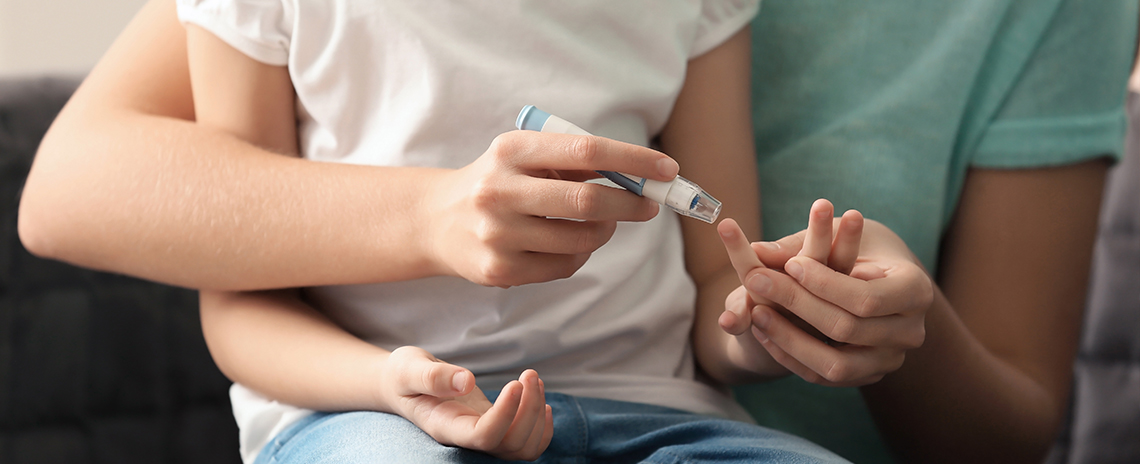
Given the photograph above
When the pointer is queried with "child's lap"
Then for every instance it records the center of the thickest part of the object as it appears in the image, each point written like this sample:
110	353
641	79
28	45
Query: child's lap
585	430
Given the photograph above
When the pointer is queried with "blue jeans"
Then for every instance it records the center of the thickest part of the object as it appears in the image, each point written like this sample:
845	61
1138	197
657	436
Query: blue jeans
586	430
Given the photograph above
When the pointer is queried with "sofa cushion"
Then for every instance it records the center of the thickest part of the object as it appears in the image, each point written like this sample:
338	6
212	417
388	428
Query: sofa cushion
94	367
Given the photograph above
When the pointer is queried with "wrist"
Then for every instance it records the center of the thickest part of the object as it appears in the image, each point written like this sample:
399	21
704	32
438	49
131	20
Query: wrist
377	382
427	234
755	360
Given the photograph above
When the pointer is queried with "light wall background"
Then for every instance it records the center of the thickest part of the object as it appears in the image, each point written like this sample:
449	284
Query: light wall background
59	36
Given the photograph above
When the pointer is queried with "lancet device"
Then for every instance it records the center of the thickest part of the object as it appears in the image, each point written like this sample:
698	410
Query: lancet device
680	195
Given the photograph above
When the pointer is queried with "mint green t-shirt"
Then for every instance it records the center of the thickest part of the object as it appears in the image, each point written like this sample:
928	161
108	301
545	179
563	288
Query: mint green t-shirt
882	105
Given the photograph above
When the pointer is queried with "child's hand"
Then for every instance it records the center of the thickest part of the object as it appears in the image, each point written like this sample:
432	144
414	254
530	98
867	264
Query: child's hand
839	252
876	314
496	222
442	399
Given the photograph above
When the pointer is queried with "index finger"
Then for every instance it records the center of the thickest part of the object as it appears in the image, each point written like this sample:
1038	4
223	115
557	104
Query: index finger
740	252
539	150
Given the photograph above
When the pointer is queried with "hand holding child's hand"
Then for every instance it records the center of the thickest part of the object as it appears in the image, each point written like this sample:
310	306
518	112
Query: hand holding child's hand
839	252
497	221
876	314
442	399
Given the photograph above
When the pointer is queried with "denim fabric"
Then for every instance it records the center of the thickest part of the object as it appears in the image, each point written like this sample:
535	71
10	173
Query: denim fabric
586	430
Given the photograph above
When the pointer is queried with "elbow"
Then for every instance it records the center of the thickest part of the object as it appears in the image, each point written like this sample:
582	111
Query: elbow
36	227
50	220
47	231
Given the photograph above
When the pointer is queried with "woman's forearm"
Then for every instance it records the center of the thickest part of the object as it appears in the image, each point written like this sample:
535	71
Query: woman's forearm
954	401
126	181
992	380
176	202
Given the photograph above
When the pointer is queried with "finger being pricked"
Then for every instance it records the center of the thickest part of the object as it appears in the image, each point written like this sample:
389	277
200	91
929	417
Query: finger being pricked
736	318
740	252
833	320
816	361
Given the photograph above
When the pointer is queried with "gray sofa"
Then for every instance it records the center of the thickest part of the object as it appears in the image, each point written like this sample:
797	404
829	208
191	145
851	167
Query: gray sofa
1104	417
94	367
101	368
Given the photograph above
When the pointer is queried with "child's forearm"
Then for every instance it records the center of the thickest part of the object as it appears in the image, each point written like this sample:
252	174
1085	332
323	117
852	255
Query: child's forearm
709	133
277	345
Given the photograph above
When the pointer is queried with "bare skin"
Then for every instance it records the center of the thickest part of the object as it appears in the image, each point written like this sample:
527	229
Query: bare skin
196	185
993	368
1000	331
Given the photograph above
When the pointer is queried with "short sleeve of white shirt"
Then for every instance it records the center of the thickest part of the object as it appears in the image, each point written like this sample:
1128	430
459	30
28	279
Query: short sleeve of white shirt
720	19
262	28
258	28
440	81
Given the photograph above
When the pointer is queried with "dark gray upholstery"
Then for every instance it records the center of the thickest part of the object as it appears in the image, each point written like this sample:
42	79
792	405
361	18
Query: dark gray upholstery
1104	421
94	367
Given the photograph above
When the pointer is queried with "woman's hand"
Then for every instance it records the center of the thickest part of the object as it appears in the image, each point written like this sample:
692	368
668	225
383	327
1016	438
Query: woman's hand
871	317
503	220
442	399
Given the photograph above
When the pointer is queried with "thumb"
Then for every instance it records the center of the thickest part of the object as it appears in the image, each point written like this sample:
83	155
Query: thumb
775	254
425	375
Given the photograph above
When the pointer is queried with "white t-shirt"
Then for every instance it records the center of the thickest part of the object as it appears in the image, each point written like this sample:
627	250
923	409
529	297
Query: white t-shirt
431	83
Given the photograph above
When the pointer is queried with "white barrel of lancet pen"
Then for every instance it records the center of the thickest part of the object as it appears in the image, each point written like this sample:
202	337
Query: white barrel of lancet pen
680	195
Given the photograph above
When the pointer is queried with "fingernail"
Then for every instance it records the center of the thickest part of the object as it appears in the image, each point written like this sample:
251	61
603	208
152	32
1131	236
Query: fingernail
771	245
667	167
760	337
459	381
795	270
759	283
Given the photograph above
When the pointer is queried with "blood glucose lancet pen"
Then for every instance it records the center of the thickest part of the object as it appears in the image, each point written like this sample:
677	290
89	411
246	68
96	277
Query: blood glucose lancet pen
680	194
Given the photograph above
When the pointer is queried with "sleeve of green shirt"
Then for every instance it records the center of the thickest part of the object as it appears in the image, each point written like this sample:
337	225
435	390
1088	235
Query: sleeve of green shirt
1067	104
884	106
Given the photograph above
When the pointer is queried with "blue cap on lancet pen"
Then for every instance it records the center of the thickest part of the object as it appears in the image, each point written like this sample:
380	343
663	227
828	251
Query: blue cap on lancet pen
531	118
